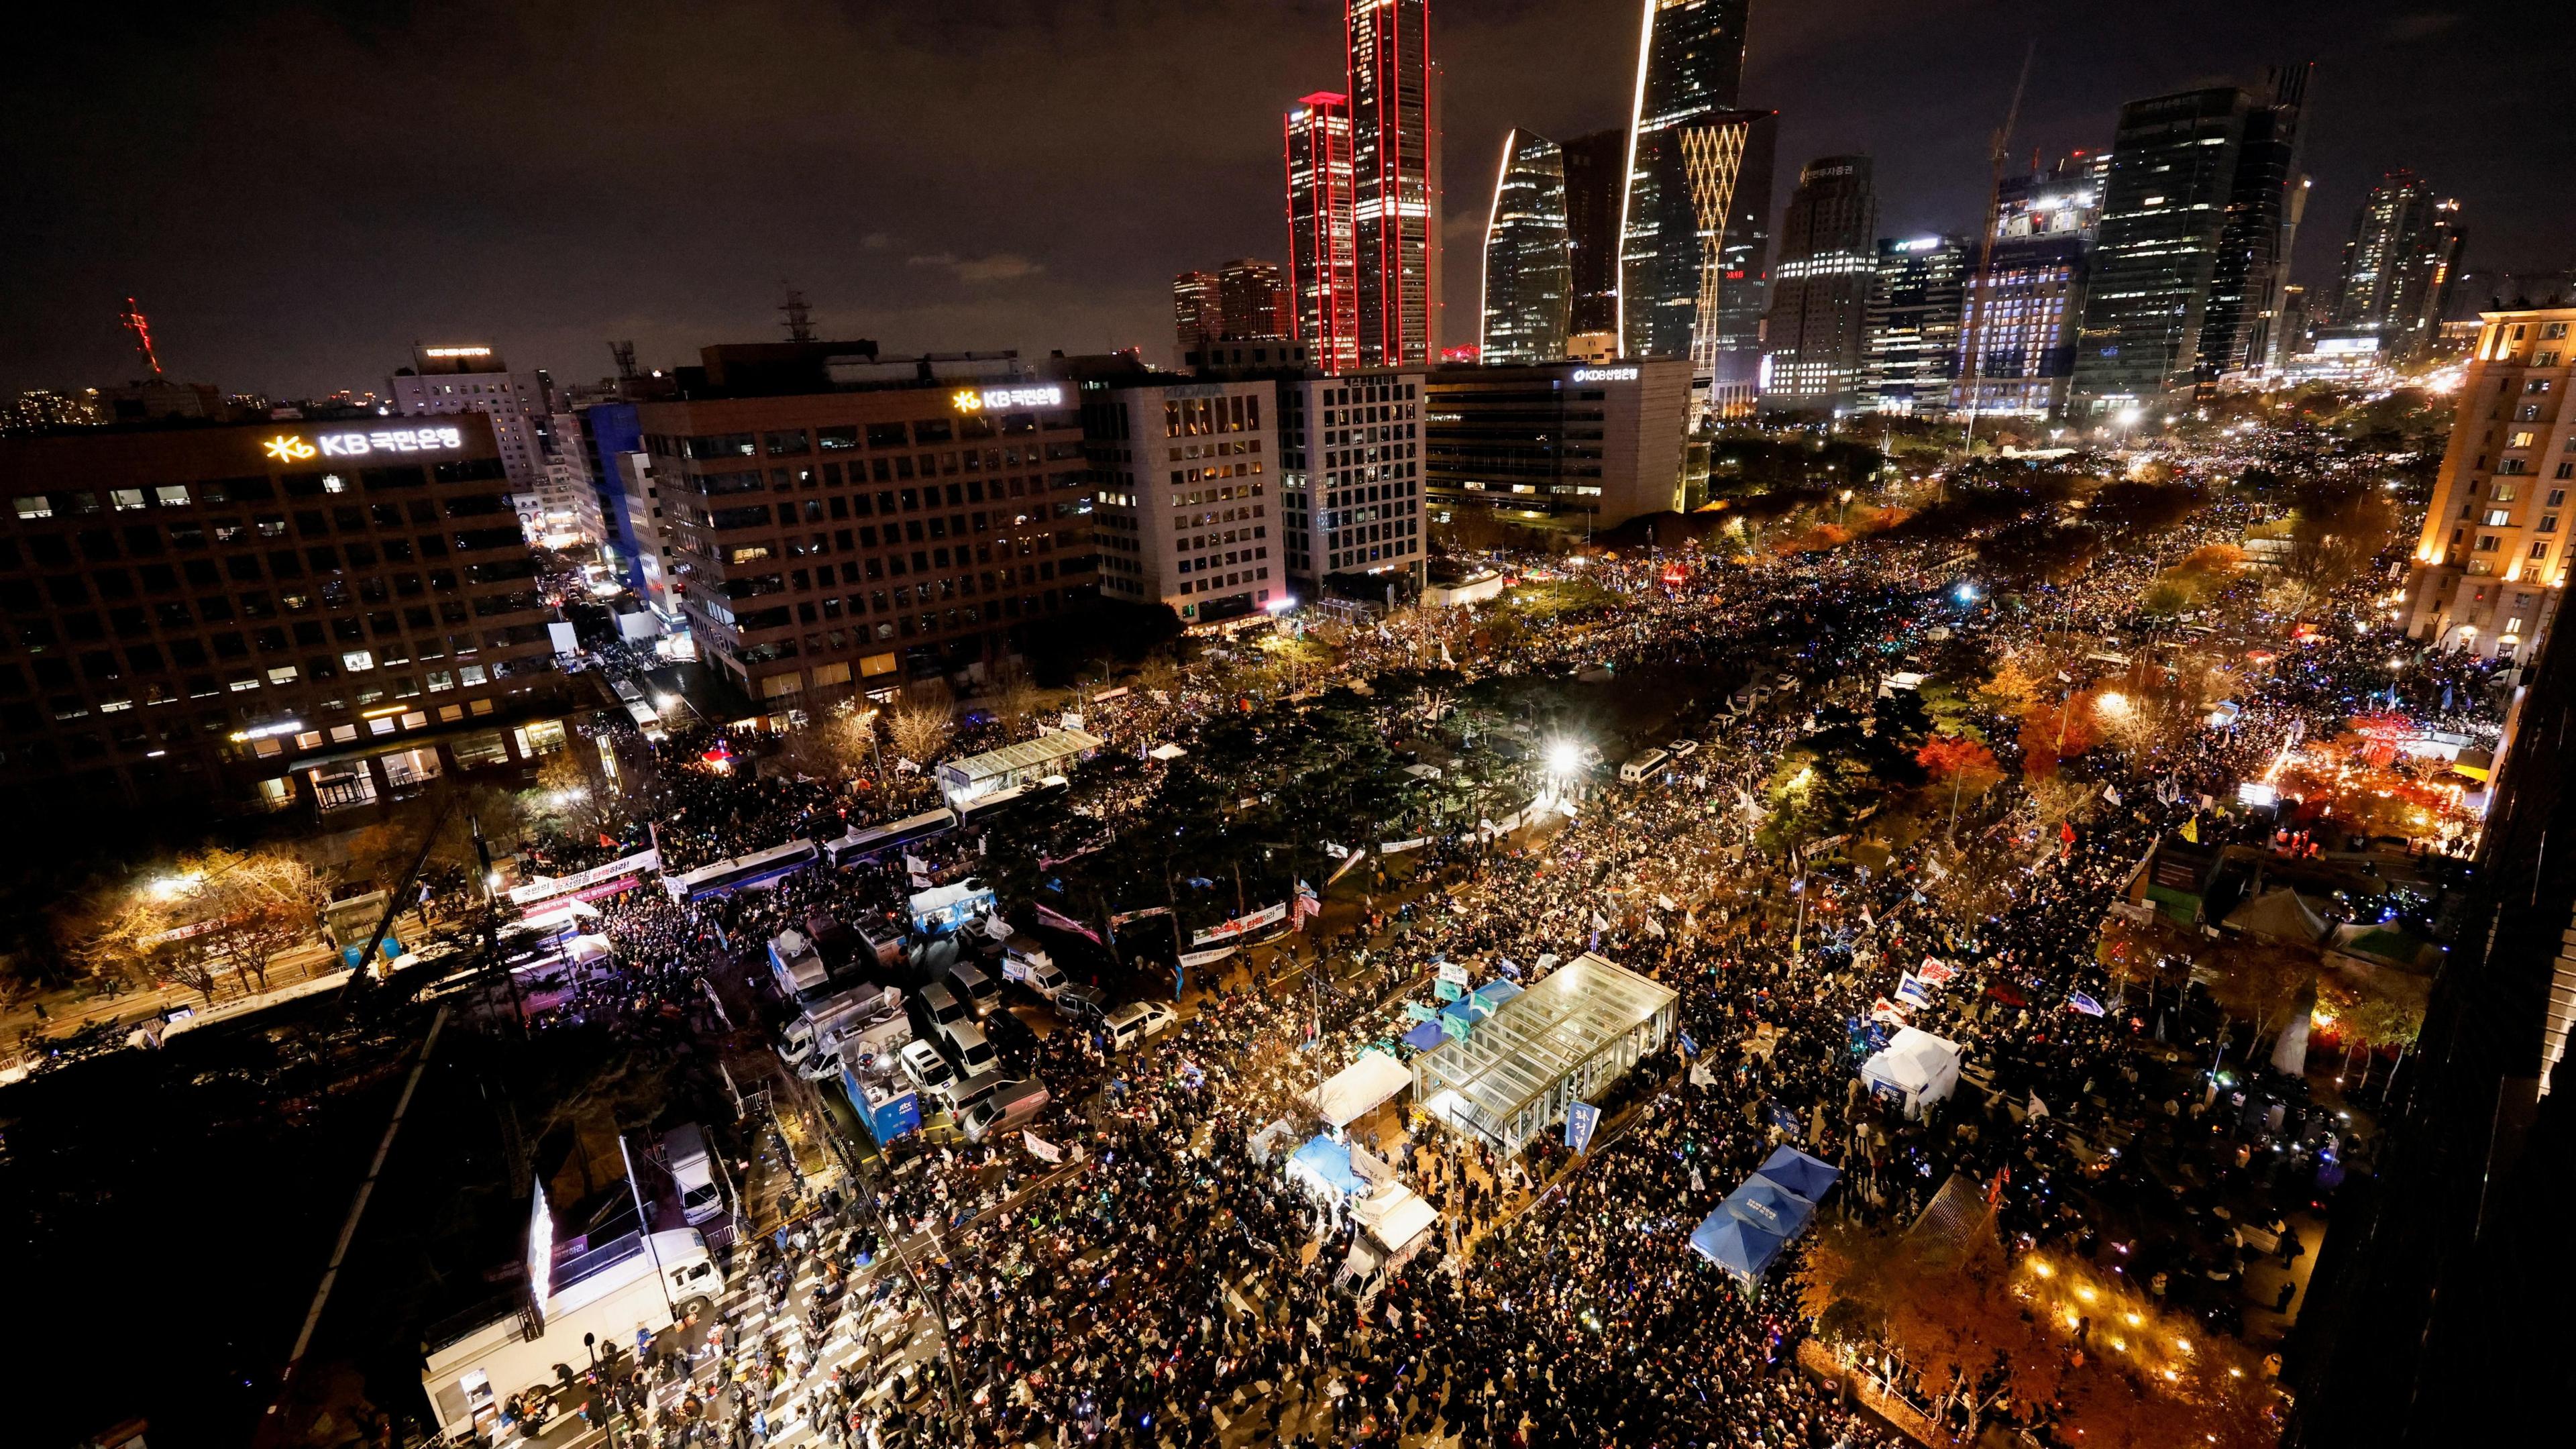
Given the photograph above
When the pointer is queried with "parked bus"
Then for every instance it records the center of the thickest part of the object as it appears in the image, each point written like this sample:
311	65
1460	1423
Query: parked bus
741	872
878	839
1643	767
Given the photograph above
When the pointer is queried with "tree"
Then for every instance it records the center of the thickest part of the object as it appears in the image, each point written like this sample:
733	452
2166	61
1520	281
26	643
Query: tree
571	800
2259	981
921	723
2059	730
1015	696
2337	534
1951	1314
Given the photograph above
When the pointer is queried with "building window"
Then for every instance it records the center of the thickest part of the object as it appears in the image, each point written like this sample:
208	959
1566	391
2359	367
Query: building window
475	751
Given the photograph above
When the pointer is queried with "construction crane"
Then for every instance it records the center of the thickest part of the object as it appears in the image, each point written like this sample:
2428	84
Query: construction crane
1979	301
624	353
133	320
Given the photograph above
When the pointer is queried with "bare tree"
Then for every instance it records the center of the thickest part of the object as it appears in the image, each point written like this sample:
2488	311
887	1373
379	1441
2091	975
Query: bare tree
921	723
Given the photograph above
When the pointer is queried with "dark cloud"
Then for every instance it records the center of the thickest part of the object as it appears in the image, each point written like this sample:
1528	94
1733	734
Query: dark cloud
297	192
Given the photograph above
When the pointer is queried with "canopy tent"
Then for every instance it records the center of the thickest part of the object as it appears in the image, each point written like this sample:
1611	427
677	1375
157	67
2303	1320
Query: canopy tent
1769	1206
587	948
1267	1140
1325	1165
2279	914
1166	751
1425	1035
1736	1245
1808	1177
1395	1215
1356	1090
1916	1065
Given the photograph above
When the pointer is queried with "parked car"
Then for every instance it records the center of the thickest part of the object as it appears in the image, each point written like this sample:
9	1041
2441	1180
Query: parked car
1139	1022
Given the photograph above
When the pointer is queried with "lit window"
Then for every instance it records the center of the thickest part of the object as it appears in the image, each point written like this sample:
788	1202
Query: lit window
356	660
35	505
123	499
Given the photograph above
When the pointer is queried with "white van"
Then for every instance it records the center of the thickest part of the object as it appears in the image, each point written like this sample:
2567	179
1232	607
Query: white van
1684	749
975	1055
701	1195
1134	1024
1009	1105
1643	767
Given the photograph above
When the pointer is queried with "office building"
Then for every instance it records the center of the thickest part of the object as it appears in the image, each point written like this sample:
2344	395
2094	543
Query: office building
1252	301
1323	266
1353	481
40	410
2298	322
2164	208
1742	275
1596	179
838	521
563	512
1529	274
2266	197
1812	345
1198	310
1594	444
2025	298
256	616
2494	552
1186	473
1917	305
1394	89
2398	266
470	378
1695	166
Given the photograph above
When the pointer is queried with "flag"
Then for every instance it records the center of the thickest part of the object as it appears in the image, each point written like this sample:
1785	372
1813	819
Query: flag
1910	991
1654	928
2066	832
1307	903
1935	970
1689	1046
1933	867
1667	903
1887	1011
2191	830
2111	794
2038	1108
1995	1189
2083	1003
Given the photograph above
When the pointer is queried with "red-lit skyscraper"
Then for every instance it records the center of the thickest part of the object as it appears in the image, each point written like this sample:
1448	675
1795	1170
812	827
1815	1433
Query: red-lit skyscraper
1323	273
1395	178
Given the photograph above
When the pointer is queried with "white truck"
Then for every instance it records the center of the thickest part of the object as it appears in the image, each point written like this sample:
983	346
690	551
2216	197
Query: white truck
1034	969
818	1041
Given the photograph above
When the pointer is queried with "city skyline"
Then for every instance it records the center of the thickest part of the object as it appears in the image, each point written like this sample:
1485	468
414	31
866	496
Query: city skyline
553	238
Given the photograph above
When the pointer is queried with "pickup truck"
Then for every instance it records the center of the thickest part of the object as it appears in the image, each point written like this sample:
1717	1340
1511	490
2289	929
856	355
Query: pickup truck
1033	969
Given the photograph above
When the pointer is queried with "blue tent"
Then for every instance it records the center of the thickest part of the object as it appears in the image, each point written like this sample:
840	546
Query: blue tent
1808	1177
1493	994
1328	1163
1736	1245
1769	1206
1425	1035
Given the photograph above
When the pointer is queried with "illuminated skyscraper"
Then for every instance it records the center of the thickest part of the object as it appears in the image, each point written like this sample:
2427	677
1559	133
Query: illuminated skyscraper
2164	207
1323	273
1528	273
2398	265
2265	199
1811	349
1198	316
1596	178
1916	306
1395	178
2026	300
1698	186
1252	300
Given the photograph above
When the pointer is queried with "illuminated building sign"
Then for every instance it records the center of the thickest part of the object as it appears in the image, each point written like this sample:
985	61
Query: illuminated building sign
976	400
456	352
292	448
1605	374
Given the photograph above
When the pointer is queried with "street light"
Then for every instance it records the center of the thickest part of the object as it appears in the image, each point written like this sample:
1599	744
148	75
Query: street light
1564	758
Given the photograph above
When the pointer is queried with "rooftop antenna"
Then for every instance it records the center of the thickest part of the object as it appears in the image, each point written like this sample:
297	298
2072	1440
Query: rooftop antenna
800	318
624	352
1998	154
133	320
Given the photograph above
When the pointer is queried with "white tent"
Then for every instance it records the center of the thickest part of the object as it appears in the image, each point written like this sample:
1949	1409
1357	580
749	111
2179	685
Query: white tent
1396	1216
1166	751
1356	1090
1920	1067
587	948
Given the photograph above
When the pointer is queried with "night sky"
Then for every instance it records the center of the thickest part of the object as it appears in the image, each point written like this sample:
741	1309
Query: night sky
296	192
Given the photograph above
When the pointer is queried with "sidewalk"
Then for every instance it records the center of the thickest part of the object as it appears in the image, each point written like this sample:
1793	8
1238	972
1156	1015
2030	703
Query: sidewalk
71	1009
